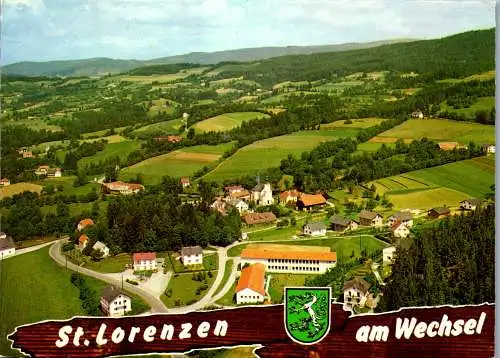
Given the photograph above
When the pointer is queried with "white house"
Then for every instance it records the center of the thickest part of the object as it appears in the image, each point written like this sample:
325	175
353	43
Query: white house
54	173
405	217
185	182
192	255
4	182
240	205
356	292
262	194
280	259
289	196
7	246
115	303
144	261
489	148
314	229
101	247
470	204
399	229
388	255
251	285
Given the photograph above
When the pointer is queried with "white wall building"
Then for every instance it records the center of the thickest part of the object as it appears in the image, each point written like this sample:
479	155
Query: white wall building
404	217
240	205
101	247
192	255
114	303
251	285
262	194
400	230
356	292
144	261
280	259
388	255
7	246
314	229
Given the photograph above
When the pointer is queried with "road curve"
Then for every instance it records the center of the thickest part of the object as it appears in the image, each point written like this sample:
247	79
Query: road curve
229	283
156	305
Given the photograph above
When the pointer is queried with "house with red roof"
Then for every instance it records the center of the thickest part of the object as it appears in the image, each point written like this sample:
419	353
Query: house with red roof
399	229
144	261
309	201
251	285
185	182
289	196
84	223
83	241
119	187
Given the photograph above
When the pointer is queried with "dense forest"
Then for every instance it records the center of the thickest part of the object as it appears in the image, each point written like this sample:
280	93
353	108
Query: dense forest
453	264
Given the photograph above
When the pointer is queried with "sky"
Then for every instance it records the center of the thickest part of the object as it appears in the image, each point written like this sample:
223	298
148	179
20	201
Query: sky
42	30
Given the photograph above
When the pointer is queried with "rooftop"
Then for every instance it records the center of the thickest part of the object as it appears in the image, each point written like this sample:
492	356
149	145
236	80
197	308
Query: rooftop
111	292
339	220
146	256
369	215
357	283
283	252
257	218
309	199
252	277
191	250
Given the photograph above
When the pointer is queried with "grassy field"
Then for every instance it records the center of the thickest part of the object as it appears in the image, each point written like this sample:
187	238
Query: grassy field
35	288
178	163
67	184
36	124
75	208
444	185
485	76
184	288
372	147
166	127
281	280
18	188
112	264
482	103
356	123
163	78
443	130
226	121
269	152
340	86
227	273
121	149
102	133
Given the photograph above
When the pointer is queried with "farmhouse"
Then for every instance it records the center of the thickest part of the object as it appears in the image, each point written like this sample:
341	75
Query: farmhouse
388	255
230	189
314	229
99	246
84	223
4	182
470	204
308	201
289	196
242	195
42	170
290	259
144	261
259	218
399	229
219	205
250	287
370	218
240	205
7	246
342	224
262	194
404	217
119	187
356	292
54	173
438	212
417	114
115	303
83	241
185	182
192	255
488	149
448	145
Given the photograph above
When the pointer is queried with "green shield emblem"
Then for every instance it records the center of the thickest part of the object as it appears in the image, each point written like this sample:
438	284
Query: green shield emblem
307	313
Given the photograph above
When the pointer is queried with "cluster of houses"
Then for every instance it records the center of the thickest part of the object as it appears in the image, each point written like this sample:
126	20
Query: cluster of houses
257	260
25	153
47	171
487	148
83	240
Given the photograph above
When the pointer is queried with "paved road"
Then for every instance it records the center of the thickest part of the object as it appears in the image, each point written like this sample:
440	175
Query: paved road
154	302
229	283
29	249
207	299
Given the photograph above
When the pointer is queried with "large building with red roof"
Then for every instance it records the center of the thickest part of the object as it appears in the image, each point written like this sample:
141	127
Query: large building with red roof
119	187
144	261
290	258
251	285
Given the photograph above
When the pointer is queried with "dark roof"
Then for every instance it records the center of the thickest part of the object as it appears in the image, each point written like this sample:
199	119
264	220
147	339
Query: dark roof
316	226
402	215
259	218
111	292
358	283
258	187
339	220
370	215
473	201
441	210
191	250
6	242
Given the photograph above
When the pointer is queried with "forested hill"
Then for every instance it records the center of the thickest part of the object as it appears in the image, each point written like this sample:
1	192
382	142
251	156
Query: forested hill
450	57
103	66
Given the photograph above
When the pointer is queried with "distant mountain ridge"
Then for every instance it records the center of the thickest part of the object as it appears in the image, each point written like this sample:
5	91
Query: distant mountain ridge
102	66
